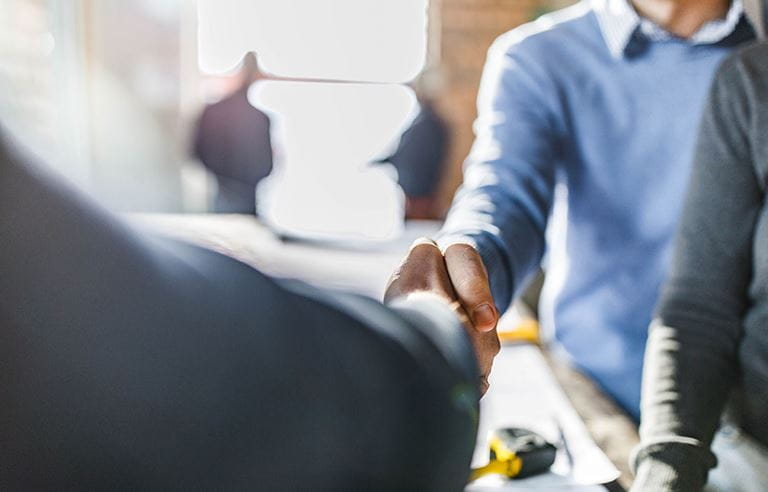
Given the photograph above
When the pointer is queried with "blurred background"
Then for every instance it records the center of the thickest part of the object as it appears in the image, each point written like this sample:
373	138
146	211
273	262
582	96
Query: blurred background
133	99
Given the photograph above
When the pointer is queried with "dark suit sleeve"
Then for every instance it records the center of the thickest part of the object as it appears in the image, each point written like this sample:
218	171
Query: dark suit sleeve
137	363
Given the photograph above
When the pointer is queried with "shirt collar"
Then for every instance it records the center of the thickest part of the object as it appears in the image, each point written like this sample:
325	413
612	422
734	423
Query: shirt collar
619	22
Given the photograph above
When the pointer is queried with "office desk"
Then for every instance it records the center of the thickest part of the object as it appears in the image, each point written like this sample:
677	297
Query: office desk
366	272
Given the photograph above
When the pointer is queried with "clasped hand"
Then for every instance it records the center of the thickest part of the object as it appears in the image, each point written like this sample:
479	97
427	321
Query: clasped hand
459	277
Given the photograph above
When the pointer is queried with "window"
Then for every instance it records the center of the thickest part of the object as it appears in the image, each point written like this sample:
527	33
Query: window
326	133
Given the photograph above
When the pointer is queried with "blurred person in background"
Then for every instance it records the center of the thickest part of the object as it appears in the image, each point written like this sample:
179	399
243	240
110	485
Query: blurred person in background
420	156
136	362
707	359
601	102
233	141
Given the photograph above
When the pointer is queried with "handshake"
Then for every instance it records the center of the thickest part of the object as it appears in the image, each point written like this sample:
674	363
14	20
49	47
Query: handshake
458	276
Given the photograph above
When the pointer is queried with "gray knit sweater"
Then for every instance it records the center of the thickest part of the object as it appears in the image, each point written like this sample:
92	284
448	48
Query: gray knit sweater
709	345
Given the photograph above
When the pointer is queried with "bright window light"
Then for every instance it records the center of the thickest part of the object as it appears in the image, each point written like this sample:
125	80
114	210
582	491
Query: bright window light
328	134
370	40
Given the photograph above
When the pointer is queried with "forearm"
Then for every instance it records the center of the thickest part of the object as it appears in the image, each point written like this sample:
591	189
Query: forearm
508	191
686	382
692	356
434	349
504	221
433	318
424	324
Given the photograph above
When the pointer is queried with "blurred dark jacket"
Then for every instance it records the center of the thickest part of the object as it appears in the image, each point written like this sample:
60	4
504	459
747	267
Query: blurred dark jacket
233	141
132	362
421	154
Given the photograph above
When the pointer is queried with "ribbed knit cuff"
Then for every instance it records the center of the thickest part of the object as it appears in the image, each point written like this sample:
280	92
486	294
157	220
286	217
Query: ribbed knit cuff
680	465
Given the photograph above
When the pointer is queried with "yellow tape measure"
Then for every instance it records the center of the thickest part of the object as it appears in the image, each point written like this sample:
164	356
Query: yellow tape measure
517	453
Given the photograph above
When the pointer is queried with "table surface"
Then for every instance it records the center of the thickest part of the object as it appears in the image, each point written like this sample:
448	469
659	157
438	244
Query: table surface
366	271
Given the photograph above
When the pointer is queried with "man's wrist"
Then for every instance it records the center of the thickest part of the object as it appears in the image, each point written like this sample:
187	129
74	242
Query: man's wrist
439	321
672	466
445	241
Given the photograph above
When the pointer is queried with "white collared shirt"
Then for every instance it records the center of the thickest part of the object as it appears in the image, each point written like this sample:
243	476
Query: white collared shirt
619	21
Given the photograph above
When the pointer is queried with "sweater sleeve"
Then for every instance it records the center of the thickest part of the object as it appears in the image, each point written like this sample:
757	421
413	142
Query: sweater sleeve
691	359
503	206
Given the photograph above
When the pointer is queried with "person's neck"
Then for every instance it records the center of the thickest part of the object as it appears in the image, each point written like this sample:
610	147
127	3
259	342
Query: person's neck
683	18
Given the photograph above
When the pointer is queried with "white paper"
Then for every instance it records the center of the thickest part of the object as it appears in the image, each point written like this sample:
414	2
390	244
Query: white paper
524	393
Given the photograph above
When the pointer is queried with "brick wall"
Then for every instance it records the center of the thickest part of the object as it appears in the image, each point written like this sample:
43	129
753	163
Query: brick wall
462	32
